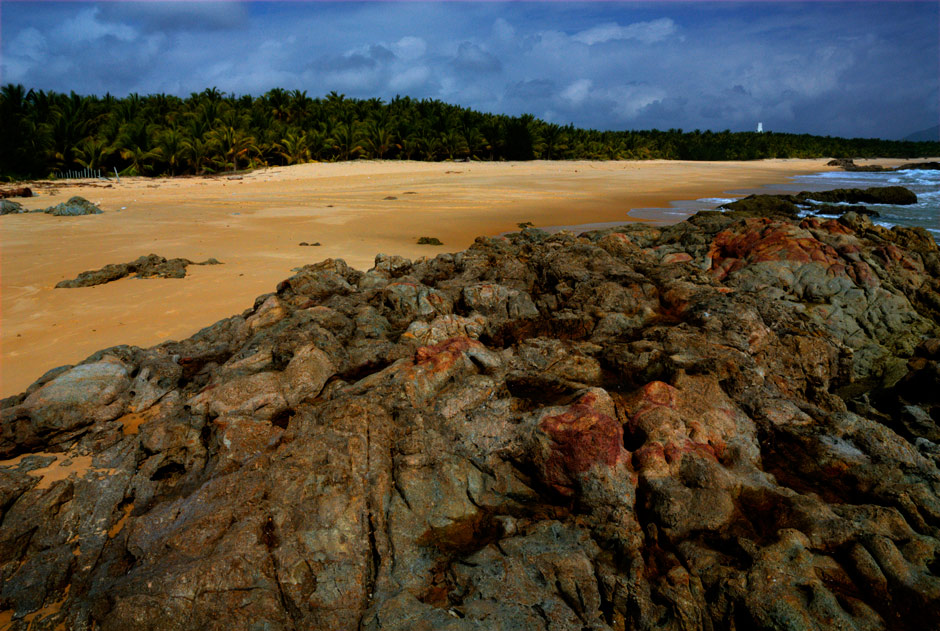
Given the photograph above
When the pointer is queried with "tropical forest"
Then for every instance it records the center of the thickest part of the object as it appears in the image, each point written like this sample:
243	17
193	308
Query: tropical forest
45	134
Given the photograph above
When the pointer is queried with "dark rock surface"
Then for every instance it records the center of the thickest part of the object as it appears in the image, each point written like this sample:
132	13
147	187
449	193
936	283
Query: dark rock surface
897	195
730	423
790	206
16	191
150	266
920	166
847	164
8	207
73	207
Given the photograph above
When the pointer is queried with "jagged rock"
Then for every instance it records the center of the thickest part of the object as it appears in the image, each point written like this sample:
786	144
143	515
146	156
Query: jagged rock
8	207
789	206
728	423
16	191
150	266
849	165
766	206
74	206
922	166
879	195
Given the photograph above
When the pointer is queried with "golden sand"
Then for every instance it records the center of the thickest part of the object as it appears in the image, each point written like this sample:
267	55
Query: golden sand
254	223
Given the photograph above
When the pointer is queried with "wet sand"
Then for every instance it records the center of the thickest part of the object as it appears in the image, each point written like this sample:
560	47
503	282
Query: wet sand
254	223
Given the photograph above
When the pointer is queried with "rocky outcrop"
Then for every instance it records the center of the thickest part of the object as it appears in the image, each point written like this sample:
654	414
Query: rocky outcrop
896	195
73	207
920	166
8	207
16	191
791	206
150	266
847	164
728	423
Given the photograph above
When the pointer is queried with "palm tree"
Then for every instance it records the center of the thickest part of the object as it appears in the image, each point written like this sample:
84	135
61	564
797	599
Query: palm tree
278	103
294	148
378	138
232	144
171	144
453	145
93	152
475	141
346	141
198	154
415	146
554	141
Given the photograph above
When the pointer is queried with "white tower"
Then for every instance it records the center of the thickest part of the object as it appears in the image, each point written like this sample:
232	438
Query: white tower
760	128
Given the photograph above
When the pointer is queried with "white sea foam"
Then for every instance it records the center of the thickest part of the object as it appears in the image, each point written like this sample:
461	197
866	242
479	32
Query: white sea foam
716	200
924	183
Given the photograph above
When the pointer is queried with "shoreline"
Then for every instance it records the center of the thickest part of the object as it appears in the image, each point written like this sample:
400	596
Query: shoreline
253	223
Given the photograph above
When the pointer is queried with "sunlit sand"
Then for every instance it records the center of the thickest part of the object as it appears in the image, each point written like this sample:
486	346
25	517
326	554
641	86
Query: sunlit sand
255	222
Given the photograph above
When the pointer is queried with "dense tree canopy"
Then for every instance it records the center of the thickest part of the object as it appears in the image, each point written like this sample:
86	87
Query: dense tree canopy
43	133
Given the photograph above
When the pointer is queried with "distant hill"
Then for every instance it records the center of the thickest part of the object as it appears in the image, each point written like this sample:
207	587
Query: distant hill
931	134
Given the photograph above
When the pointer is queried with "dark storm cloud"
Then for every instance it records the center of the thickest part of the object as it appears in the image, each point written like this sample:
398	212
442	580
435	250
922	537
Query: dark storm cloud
536	89
472	58
856	69
176	16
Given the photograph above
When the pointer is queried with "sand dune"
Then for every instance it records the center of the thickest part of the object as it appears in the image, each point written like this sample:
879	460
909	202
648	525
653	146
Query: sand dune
254	223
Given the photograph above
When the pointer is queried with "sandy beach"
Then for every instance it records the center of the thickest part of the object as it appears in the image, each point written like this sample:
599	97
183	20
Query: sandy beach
254	224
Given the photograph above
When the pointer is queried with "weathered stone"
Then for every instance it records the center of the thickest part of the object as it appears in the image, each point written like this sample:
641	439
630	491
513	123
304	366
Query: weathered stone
8	207
150	266
16	191
73	207
727	423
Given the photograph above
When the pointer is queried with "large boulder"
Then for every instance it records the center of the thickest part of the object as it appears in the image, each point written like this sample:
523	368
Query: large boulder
73	207
878	195
16	191
728	423
8	207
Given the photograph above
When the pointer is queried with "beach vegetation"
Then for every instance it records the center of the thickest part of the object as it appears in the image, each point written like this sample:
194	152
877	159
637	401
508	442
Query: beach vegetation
43	133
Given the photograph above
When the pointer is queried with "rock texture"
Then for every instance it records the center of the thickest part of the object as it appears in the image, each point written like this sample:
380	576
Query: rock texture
730	423
8	207
73	207
150	266
792	206
16	191
847	164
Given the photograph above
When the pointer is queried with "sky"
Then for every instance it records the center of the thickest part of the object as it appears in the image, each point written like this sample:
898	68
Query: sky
854	69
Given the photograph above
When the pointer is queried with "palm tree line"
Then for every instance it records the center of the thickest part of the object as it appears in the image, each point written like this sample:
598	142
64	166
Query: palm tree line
44	132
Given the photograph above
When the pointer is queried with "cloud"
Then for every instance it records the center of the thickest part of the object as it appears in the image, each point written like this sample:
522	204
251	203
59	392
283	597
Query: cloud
645	32
532	90
409	47
409	79
503	31
86	27
473	58
868	69
577	92
176	16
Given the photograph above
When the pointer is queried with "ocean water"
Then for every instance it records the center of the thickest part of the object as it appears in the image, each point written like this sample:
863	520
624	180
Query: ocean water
925	184
925	213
